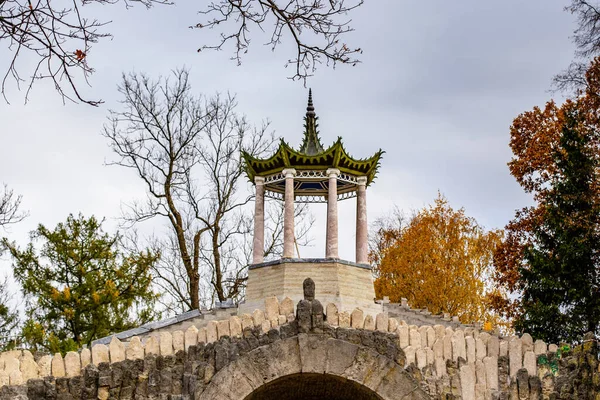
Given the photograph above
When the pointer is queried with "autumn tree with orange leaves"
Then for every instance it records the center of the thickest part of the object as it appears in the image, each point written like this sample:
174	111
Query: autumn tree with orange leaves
440	259
549	260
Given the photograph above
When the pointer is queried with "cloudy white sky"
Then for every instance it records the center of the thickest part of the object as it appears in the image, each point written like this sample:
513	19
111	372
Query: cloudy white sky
438	87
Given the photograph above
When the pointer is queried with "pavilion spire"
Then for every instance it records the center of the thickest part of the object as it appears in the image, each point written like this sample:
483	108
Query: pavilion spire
311	144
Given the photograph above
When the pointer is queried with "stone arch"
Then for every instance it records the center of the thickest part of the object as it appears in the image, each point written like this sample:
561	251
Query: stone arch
313	357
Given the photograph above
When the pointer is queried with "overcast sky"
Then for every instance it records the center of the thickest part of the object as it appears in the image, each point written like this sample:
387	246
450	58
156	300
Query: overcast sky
438	87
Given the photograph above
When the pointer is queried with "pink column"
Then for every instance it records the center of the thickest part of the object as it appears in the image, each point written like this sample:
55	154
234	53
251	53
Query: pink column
288	215
331	245
362	231
258	248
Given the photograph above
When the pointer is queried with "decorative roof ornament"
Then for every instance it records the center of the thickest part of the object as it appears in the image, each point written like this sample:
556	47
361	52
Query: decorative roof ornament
311	144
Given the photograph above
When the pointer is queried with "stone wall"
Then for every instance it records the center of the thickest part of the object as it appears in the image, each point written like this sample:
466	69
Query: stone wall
462	363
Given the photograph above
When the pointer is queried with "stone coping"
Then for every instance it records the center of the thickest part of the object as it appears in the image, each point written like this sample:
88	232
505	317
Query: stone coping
308	261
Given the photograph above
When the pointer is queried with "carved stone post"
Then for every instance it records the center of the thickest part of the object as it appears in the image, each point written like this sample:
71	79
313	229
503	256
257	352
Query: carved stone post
288	216
258	248
331	245
362	240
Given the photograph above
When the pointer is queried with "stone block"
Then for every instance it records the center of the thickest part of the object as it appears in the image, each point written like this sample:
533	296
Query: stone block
190	337
265	326
99	354
247	322
286	307
134	350
332	314
552	348
344	319
493	346
151	346
235	326
165	343
526	343
448	346
421	357
271	308
72	364
116	350
471	351
29	368
480	349
438	348
86	357
503	348
58	366
530	362
410	353
258	316
515	356
414	338
430	337
467	381
392	324
403	336
357	319
16	378
202	336
178	341
274	322
480	374
459	348
45	366
539	347
369	323
212	334
282	319
4	378
223	327
439	365
382	322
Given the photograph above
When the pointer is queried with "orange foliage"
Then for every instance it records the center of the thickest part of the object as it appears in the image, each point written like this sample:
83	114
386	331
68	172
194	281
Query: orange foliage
440	260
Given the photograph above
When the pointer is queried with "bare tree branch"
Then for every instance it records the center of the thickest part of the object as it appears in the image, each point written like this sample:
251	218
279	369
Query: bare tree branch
9	208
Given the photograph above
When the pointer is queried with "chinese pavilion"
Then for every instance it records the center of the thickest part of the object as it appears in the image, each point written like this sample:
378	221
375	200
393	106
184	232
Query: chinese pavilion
312	174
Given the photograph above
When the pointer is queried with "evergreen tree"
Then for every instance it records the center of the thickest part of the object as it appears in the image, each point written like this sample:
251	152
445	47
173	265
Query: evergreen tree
549	260
81	285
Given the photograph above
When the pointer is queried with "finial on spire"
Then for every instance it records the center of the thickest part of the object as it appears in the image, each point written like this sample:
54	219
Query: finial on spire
310	109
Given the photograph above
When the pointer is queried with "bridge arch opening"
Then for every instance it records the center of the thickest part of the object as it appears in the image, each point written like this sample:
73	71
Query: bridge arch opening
312	387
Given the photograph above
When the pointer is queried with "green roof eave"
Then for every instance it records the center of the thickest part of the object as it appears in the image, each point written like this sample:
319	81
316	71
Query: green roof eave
333	157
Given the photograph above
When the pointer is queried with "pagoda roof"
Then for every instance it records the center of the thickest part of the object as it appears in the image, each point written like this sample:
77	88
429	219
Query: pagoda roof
312	155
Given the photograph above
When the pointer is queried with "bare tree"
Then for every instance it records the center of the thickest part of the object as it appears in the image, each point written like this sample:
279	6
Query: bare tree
187	151
316	27
587	41
59	35
9	207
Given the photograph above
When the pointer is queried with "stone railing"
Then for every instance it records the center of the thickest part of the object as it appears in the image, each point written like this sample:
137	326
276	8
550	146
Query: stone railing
464	363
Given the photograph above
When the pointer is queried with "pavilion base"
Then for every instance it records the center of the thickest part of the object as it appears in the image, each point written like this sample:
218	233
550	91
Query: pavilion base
348	285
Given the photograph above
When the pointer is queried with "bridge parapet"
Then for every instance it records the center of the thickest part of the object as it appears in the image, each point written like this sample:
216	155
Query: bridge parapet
464	363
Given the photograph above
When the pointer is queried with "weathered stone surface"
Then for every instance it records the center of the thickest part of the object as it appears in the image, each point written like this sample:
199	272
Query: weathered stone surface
190	337
28	366
403	336
491	372
344	319
382	322
165	343
481	376
357	318
430	337
526	342
151	346
552	348
503	348
480	349
467	381
529	362
332	314
286	307
540	347
459	348
266	326
235	326
134	350
116	350
58	366
440	331
258	316
72	364
212	334
86	357
45	366
421	356
178	341
223	326
271	308
247	322
448	346
99	354
410	353
392	324
202	337
471	351
282	319
515	356
369	323
493	346
414	338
